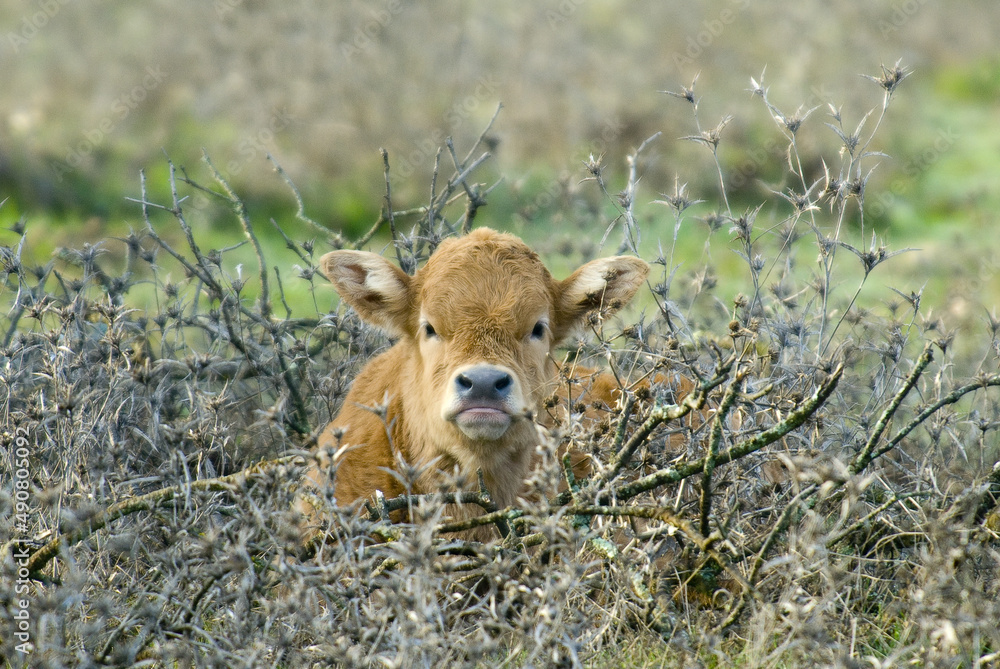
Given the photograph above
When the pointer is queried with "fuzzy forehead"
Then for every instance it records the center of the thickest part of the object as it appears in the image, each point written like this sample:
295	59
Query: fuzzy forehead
485	276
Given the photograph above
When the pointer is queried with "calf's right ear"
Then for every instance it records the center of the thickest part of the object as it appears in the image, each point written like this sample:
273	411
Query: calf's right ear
378	290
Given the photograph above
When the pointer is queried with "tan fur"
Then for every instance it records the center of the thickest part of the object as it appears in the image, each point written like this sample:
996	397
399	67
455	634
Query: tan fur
483	296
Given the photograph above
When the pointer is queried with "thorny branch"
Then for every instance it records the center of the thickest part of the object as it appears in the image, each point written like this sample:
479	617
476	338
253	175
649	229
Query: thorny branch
151	500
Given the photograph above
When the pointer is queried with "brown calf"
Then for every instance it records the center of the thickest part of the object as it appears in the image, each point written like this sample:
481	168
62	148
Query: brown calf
464	384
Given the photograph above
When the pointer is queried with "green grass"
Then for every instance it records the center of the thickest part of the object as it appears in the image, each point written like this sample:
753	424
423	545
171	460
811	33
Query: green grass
936	195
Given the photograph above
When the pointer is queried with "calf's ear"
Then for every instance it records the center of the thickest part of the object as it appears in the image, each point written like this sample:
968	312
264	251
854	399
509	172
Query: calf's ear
607	284
378	290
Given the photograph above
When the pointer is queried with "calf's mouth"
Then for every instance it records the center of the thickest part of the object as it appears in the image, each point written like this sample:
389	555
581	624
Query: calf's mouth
483	422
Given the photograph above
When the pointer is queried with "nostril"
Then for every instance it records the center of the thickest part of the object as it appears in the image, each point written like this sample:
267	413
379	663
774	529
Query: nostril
503	382
484	383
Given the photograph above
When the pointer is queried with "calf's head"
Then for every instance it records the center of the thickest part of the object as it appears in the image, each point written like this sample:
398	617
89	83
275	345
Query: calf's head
479	322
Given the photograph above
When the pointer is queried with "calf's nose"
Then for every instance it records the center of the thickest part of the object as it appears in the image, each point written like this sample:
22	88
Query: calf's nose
483	383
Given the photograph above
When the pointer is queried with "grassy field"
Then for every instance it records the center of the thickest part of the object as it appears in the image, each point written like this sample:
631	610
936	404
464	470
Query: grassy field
831	284
933	190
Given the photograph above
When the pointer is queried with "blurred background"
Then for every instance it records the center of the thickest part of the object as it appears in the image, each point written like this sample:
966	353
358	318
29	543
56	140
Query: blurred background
93	92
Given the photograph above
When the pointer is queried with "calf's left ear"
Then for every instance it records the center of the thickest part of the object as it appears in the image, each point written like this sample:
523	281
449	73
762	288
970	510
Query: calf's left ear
606	283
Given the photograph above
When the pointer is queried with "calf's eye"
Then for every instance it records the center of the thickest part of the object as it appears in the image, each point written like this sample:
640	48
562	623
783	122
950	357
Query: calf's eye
538	331
429	330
